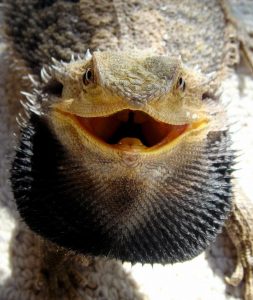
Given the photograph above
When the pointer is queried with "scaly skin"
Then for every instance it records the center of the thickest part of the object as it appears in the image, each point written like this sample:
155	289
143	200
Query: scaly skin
138	139
120	82
239	228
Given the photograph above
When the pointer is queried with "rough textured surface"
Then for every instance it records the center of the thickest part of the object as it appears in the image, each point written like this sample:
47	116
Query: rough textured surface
166	290
166	207
119	25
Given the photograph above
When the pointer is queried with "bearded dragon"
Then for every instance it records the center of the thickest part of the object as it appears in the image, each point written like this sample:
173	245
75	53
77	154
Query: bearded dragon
126	152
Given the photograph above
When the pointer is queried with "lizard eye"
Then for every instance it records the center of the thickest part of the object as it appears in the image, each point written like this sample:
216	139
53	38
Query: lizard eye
88	76
181	84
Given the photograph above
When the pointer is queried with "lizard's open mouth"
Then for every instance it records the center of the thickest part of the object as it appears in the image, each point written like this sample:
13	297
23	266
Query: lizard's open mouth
131	130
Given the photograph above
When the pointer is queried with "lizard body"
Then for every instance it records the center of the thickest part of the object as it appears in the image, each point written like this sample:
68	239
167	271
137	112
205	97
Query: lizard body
119	25
37	31
239	229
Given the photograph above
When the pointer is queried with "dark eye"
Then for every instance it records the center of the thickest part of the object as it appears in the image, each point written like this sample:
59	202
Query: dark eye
88	76
181	84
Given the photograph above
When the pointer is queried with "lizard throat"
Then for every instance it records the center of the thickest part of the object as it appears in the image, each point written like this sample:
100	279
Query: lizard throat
131	130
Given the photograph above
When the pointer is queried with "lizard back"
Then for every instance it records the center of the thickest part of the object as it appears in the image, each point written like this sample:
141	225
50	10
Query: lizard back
195	30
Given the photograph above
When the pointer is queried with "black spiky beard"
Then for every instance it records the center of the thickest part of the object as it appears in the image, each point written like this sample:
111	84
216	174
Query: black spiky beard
174	220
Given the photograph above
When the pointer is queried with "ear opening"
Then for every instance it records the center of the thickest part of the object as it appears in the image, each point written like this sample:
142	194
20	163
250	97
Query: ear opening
54	87
208	95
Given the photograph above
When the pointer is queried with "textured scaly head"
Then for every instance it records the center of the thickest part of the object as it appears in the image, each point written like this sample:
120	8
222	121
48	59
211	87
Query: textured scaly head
127	157
122	101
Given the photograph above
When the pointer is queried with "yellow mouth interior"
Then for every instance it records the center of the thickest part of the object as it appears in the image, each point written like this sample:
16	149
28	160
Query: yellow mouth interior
131	130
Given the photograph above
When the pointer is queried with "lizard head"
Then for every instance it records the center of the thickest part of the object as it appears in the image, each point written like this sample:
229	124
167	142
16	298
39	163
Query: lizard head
129	103
125	158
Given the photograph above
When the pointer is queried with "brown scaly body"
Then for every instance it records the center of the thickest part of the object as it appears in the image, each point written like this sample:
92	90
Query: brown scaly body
239	228
59	28
204	35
